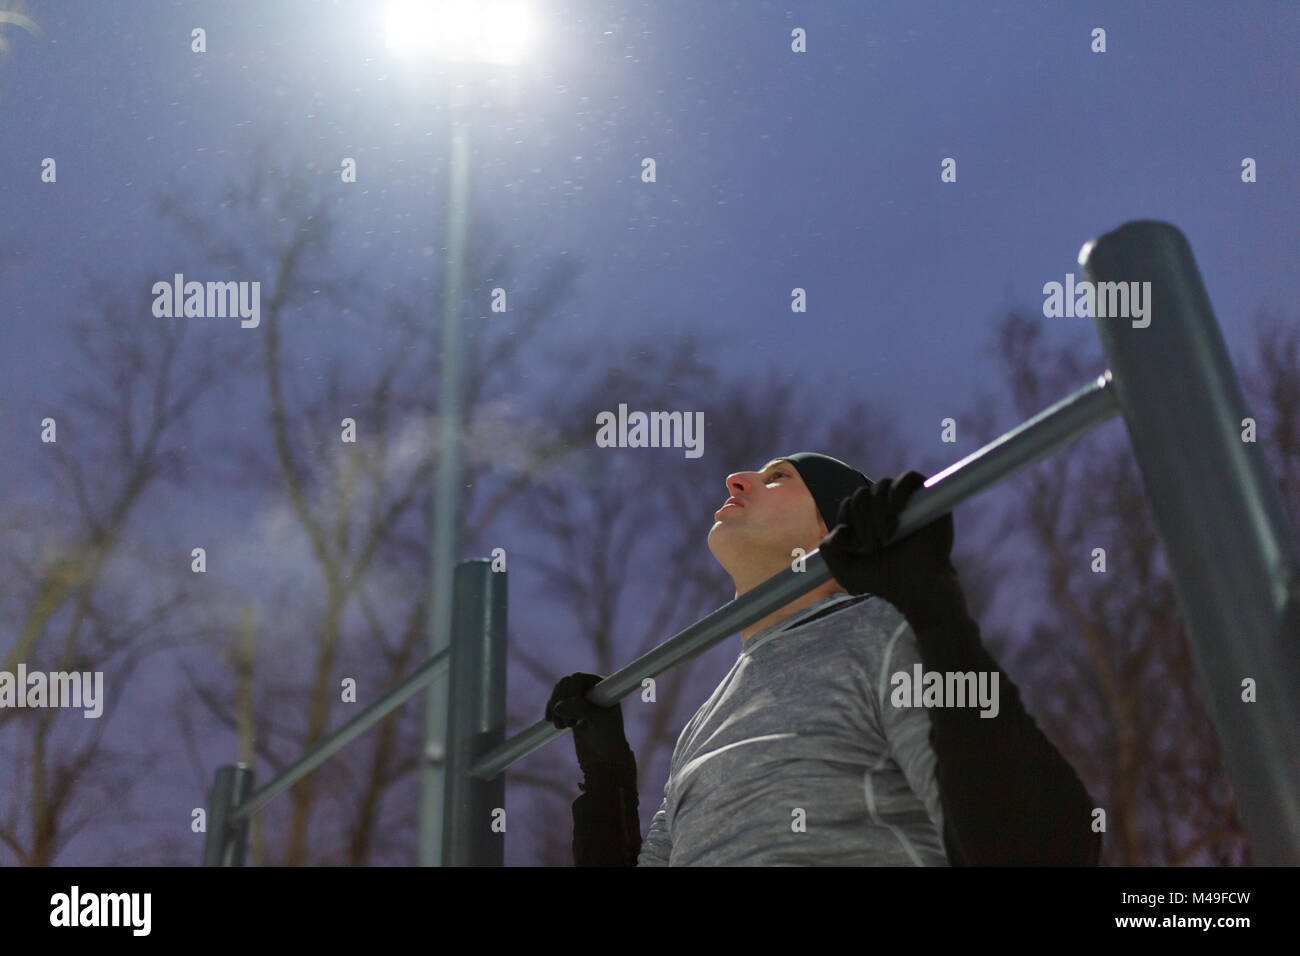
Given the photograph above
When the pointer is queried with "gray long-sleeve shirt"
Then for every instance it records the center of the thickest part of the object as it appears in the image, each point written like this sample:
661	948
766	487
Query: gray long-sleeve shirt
798	757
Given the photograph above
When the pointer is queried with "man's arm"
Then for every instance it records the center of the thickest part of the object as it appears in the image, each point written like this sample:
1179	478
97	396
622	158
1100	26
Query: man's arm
606	831
1008	794
1009	797
606	827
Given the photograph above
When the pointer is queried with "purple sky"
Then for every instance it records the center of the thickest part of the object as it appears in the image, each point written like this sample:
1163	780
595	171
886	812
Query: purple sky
775	170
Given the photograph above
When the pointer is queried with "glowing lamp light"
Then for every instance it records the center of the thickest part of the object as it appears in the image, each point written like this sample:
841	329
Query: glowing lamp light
459	31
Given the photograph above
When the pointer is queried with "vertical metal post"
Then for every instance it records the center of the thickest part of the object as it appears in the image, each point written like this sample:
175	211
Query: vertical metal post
227	835
1219	517
476	719
447	488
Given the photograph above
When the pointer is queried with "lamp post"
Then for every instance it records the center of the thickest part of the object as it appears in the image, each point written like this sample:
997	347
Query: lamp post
450	33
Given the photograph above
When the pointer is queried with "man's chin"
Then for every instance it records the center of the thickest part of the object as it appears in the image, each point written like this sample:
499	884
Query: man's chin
718	535
713	533
726	545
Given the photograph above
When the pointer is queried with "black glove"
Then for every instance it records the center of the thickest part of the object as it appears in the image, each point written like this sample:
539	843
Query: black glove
606	828
598	739
903	573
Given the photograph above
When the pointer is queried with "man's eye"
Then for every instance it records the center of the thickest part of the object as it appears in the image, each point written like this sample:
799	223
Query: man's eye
775	475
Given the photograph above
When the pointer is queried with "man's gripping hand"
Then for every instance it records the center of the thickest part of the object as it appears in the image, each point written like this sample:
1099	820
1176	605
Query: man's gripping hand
906	572
598	738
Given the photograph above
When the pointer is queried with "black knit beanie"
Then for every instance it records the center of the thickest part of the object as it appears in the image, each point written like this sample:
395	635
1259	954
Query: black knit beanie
829	479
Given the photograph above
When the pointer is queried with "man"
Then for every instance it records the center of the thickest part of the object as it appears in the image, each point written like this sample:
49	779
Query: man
804	755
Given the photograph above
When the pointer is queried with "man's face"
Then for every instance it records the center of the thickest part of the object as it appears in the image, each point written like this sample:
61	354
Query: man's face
771	512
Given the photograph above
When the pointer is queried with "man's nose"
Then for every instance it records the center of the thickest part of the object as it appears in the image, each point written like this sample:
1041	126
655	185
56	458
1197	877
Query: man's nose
740	482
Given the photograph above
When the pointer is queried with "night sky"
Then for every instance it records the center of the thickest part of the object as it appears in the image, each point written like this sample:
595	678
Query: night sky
775	170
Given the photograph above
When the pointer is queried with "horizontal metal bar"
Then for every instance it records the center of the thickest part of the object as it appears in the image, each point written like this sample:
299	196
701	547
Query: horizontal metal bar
354	728
1040	436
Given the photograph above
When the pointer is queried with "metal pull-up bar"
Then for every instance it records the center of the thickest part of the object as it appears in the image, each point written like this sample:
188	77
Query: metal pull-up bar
1218	514
1230	549
349	732
476	722
233	804
1035	439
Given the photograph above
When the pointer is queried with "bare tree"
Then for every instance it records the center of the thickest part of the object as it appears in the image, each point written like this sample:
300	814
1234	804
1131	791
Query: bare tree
354	507
119	436
1272	385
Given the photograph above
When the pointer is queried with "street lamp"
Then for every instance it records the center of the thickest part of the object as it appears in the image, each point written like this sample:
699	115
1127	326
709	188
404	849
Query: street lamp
453	32
460	31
